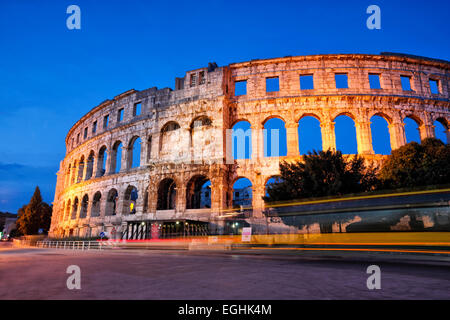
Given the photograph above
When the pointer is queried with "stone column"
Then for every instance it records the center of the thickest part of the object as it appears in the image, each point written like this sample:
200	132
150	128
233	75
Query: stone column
364	138
426	131
258	191
292	139
180	201
139	205
397	135
95	167
109	160
124	159
257	141
447	134
144	150
219	189
328	136
84	173
89	209
155	146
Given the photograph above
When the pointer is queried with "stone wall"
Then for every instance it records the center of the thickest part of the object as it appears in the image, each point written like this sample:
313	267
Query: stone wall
183	132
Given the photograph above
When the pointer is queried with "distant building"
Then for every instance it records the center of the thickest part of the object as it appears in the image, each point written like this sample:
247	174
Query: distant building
242	197
10	224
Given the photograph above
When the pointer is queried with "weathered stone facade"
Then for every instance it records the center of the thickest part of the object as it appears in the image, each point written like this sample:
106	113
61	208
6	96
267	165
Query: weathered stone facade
183	134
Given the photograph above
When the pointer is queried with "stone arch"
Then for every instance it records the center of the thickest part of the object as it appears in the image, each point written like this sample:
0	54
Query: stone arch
412	125
130	197
116	157
112	203
309	114
414	117
383	114
345	132
441	129
90	165
167	194
102	159
273	116
344	113
268	179
201	121
201	135
241	140
74	208
381	139
134	152
198	192
309	133
234	122
96	202
242	192
275	137
84	206
169	137
273	179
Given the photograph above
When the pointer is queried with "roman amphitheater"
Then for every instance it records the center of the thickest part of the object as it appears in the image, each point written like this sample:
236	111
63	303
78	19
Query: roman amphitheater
162	161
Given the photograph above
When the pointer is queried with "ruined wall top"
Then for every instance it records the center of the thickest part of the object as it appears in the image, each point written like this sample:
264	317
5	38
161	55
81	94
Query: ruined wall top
212	82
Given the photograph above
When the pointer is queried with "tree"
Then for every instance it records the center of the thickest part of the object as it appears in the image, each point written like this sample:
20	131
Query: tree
417	165
322	173
34	216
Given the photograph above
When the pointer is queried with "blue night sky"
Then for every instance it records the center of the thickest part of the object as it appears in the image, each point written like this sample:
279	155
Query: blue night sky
51	76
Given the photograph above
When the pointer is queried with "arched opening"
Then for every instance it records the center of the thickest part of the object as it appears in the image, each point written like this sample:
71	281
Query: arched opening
80	169
381	140
95	210
167	192
441	130
111	203
275	143
412	132
198	193
241	140
84	206
309	135
68	210
134	153
75	209
271	182
201	135
101	161
345	132
116	159
90	165
129	200
242	193
169	141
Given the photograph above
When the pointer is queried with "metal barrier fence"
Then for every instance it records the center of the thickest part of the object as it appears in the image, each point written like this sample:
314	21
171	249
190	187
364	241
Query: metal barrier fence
73	245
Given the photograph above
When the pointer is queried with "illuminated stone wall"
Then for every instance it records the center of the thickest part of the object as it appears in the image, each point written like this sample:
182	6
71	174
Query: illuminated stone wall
183	133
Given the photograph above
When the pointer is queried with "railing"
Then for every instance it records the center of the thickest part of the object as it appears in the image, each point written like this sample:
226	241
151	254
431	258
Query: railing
74	245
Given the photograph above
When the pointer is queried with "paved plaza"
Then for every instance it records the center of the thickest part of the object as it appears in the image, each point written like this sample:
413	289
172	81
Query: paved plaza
31	273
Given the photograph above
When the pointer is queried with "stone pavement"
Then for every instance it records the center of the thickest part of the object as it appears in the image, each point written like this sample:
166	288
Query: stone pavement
32	273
